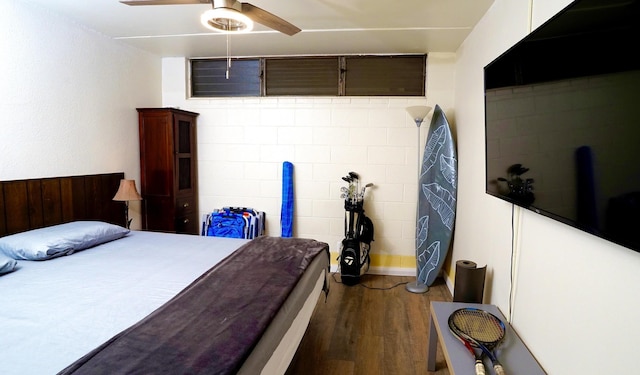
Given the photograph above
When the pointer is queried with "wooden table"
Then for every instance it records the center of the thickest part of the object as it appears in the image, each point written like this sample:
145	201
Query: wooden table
512	353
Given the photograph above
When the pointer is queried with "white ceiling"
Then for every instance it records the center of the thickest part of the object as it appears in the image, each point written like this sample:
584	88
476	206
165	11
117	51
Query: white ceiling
328	26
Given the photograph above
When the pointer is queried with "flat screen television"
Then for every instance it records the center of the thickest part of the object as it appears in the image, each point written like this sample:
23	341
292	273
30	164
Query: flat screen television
562	122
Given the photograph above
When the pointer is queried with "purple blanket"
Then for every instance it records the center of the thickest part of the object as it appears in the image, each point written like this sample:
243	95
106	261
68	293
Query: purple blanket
213	324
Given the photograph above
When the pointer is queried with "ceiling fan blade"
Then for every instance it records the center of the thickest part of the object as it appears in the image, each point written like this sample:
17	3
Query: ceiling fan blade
263	17
165	2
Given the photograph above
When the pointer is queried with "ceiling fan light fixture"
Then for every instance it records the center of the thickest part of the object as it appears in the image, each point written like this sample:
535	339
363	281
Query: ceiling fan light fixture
226	20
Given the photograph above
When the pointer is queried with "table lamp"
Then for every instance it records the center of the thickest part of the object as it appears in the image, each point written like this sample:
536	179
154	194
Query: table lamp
127	192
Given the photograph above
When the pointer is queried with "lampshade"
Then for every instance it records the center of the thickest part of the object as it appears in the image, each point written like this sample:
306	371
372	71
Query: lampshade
226	20
418	112
127	191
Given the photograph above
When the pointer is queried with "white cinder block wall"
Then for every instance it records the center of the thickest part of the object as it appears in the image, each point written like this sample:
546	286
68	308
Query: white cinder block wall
242	143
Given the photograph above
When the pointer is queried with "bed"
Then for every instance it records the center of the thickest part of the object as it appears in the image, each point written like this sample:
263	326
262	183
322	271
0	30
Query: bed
145	302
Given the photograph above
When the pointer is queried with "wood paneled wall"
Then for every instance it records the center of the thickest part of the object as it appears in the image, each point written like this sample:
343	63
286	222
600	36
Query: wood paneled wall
36	203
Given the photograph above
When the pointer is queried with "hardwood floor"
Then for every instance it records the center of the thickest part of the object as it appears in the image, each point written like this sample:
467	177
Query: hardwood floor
369	331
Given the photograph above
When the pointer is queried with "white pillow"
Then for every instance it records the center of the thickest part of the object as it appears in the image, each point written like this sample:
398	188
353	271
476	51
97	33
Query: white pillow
7	264
57	240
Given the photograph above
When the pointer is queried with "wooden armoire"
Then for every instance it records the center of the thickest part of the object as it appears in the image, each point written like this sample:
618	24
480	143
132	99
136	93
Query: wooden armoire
168	170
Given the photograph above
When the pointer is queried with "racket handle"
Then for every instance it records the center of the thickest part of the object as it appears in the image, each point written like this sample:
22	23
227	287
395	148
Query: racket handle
499	370
480	368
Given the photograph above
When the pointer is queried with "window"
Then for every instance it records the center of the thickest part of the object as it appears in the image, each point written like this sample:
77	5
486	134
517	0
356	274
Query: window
398	75
209	78
385	75
302	76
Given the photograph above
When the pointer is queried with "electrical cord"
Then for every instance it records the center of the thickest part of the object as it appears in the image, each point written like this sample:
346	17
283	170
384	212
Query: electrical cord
387	288
513	252
333	275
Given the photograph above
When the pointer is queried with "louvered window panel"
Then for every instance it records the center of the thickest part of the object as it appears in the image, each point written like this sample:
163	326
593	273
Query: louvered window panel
372	75
208	78
402	75
302	76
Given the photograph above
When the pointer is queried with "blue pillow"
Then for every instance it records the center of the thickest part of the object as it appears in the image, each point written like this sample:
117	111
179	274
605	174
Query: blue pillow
7	264
57	240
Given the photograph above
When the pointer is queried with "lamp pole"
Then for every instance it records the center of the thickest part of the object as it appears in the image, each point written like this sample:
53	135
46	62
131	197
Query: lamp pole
418	113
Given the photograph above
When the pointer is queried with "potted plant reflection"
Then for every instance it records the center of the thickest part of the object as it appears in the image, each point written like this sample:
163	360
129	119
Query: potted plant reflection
519	188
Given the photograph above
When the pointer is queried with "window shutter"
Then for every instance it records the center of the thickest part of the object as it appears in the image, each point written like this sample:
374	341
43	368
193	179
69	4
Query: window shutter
397	75
302	76
402	75
208	78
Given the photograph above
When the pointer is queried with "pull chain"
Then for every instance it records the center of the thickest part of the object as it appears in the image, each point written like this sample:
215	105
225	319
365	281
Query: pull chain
228	58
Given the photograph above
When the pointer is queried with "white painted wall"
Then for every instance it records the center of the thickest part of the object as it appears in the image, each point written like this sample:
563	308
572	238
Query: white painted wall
242	143
68	97
574	295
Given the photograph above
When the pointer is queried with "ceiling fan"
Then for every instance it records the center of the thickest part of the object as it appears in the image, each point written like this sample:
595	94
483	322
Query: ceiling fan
229	16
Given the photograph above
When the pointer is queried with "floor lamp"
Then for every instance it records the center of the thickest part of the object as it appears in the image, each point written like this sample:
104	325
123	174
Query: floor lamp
418	114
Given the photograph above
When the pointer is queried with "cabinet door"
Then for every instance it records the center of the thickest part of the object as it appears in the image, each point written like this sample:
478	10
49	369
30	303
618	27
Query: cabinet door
156	170
185	183
156	154
185	143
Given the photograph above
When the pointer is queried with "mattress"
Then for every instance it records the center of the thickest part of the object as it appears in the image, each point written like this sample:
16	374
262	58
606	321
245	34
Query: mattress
54	312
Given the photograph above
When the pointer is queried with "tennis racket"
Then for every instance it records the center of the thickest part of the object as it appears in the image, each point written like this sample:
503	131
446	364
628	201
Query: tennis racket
478	329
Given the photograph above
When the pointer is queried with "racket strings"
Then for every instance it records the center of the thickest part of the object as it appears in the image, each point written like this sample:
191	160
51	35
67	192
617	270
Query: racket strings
479	326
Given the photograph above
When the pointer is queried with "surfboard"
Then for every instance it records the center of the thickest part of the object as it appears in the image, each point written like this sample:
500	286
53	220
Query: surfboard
437	194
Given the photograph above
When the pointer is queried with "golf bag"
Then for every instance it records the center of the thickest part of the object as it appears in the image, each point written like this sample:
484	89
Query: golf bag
354	259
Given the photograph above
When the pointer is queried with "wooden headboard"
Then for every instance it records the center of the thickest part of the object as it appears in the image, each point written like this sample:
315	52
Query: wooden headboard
36	203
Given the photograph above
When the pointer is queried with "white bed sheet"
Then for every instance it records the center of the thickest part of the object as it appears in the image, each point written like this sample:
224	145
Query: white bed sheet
46	306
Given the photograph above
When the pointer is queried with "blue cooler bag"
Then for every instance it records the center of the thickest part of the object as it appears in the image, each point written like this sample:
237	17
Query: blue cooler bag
227	224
